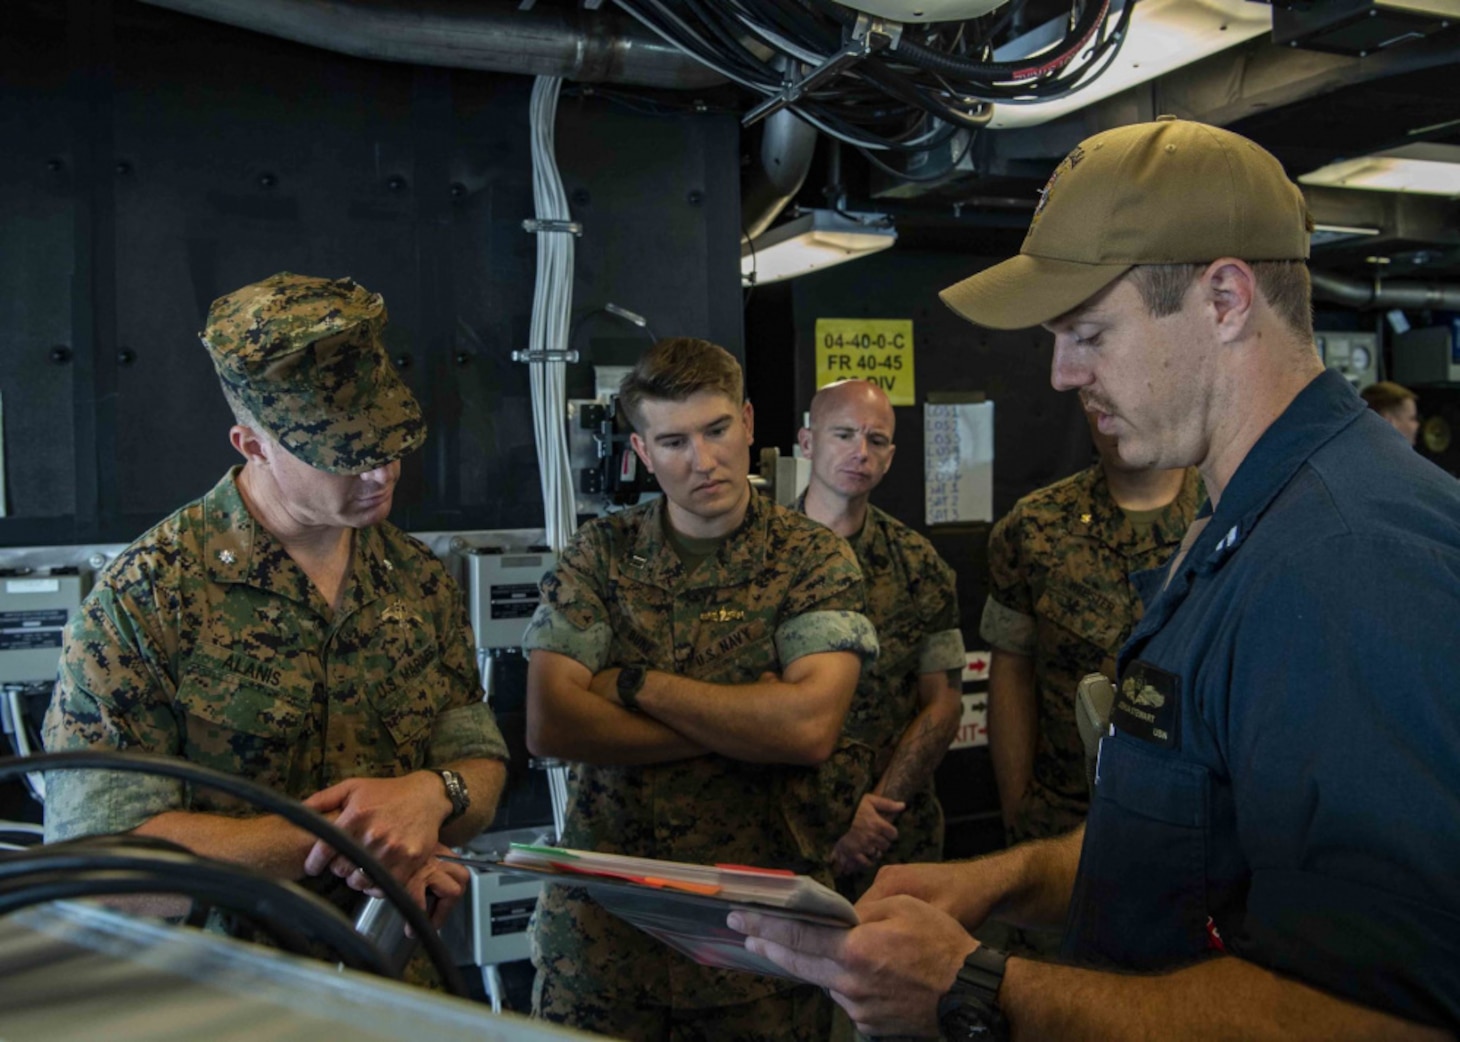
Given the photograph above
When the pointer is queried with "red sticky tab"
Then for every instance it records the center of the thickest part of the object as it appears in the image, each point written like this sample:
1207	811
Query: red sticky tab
757	870
1214	936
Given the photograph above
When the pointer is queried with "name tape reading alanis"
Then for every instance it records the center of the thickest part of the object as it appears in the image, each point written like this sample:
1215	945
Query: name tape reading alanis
879	350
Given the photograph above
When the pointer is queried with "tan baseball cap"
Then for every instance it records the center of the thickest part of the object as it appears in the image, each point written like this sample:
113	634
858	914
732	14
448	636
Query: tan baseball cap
305	356
1168	192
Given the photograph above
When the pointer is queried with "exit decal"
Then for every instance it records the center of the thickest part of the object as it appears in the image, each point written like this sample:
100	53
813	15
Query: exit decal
879	350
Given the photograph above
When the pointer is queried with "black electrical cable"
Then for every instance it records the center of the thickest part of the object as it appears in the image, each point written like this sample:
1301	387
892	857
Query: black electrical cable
902	175
294	918
929	70
267	799
992	72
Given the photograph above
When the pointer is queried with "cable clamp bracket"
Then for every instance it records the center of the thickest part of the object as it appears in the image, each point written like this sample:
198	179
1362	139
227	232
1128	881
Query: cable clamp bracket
869	36
536	225
544	356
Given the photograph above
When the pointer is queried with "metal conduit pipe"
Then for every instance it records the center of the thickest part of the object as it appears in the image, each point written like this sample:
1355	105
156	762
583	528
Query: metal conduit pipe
586	46
1363	295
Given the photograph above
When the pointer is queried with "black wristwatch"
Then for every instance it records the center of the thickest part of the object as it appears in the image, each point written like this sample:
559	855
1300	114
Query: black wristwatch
970	1010
456	792
630	683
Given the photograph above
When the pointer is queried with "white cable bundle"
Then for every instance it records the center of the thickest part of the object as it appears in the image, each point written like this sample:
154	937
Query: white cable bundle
551	306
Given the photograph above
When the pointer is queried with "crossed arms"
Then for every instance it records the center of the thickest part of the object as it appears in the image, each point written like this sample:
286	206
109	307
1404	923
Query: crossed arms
795	718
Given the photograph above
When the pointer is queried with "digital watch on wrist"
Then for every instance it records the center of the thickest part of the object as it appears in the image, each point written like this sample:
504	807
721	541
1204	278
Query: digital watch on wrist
456	792
970	1010
630	683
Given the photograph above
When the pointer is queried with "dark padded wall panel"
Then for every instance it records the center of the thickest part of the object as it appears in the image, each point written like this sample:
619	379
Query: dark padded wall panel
37	229
195	157
240	157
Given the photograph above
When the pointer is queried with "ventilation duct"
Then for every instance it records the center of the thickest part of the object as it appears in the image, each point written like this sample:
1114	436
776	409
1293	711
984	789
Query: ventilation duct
1356	293
586	46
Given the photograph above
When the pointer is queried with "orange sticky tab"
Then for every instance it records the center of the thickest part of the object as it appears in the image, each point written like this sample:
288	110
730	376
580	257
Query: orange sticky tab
757	870
704	889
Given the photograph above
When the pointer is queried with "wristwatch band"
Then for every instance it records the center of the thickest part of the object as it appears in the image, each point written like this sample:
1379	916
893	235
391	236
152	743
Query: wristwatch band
630	683
970	1010
456	792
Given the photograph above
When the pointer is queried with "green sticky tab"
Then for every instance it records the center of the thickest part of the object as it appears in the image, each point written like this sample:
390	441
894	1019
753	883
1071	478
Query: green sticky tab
557	852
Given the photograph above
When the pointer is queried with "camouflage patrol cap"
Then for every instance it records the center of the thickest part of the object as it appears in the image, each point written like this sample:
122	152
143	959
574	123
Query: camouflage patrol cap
304	356
1168	192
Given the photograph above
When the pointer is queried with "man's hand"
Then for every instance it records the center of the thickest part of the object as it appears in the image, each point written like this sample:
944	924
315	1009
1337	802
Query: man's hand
888	973
869	836
396	819
436	887
952	887
605	684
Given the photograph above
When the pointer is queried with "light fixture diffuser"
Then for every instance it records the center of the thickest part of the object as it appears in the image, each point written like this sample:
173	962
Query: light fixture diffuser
813	240
1423	169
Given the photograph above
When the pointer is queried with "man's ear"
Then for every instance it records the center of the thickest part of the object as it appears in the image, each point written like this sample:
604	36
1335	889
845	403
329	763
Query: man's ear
251	445
641	450
1231	288
747	415
806	441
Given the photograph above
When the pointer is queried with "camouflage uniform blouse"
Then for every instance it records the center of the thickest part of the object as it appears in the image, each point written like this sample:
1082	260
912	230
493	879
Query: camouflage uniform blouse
1060	593
780	587
912	601
205	640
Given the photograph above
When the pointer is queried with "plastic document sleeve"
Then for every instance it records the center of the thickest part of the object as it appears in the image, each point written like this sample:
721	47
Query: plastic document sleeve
683	905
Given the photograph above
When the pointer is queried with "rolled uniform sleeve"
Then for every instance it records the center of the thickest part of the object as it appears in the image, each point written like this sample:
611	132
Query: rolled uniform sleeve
468	729
937	600
824	610
572	618
942	651
108	697
1008	614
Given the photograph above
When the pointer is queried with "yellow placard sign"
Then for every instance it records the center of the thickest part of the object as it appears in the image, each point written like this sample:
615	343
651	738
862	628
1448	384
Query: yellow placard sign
879	350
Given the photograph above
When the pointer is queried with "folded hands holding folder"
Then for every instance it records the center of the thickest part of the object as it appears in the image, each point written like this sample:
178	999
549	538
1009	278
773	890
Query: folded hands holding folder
684	905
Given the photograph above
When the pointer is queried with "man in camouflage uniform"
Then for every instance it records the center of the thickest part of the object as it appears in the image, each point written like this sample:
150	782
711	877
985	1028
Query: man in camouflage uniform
1060	606
281	630
694	657
908	703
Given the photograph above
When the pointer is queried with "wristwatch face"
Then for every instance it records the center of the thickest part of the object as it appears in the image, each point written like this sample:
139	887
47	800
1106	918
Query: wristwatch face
970	1010
630	680
456	791
969	1019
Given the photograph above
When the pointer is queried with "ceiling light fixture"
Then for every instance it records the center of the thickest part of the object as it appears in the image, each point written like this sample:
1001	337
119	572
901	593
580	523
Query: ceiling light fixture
810	241
1164	35
1328	234
1424	169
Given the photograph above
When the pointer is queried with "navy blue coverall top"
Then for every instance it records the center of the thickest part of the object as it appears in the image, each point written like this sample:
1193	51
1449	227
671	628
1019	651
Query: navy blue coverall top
1283	774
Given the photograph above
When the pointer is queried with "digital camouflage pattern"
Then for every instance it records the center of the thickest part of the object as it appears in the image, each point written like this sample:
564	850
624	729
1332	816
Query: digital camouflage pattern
204	640
912	601
779	587
1060	592
304	357
802	1013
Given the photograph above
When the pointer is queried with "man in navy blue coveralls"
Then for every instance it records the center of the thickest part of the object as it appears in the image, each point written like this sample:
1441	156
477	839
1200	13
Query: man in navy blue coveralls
1273	847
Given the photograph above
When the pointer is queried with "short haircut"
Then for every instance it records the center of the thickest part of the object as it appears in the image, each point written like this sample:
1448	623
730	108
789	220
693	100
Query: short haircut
1284	284
1384	396
675	369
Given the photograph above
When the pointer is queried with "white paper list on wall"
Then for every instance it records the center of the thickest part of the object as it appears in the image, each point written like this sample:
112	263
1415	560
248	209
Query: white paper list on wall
958	461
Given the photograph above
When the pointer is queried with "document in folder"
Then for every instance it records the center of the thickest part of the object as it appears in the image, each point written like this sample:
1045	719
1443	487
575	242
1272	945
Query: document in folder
683	905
